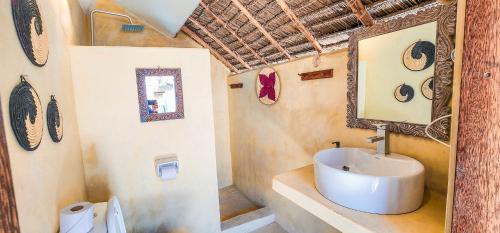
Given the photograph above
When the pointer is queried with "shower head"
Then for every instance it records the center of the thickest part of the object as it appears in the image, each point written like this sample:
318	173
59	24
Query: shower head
132	28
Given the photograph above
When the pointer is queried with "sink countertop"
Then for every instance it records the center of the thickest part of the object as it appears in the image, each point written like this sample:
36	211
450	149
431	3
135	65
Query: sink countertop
298	186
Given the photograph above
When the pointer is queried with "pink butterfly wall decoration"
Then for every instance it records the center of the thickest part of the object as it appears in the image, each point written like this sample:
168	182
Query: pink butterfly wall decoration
268	83
268	86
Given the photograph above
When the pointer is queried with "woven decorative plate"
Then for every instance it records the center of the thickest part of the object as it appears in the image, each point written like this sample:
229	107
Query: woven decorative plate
404	93
427	88
31	30
420	56
54	120
26	116
268	86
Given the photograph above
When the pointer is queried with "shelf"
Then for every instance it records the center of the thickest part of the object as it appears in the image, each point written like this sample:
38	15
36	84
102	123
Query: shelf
298	186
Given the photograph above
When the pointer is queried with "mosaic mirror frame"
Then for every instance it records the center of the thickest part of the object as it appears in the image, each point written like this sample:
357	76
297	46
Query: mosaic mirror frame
141	74
445	16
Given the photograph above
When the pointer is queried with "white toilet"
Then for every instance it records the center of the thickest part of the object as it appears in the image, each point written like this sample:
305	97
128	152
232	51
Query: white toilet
108	217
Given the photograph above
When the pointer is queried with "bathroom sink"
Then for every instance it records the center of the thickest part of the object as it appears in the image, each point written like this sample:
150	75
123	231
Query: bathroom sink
361	180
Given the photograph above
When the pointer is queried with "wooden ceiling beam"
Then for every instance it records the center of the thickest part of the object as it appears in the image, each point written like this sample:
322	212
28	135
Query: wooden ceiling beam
214	38
307	34
260	28
224	25
200	41
360	12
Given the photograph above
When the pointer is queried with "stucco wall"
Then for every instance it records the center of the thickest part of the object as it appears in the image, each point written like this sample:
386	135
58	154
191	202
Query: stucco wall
119	150
269	140
51	177
107	32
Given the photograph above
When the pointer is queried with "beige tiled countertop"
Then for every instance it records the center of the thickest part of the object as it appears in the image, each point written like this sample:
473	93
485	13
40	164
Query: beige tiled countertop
298	186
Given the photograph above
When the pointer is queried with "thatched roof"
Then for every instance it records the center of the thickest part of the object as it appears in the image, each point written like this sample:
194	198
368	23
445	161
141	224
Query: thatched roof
246	34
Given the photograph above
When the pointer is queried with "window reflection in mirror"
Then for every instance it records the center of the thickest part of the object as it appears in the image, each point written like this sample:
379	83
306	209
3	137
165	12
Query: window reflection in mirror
160	92
394	75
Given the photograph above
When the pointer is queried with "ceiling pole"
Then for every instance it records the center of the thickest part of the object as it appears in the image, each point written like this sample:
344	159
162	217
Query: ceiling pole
260	28
228	50
224	24
200	41
307	34
360	12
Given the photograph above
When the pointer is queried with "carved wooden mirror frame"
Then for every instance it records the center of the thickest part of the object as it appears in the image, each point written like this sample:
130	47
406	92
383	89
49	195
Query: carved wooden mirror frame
445	16
141	74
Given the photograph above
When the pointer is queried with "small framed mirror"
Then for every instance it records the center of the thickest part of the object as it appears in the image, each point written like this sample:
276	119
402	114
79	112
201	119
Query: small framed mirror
401	71
160	94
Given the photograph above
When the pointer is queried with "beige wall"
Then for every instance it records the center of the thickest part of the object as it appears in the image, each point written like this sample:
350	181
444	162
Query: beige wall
220	88
119	150
269	140
107	32
51	177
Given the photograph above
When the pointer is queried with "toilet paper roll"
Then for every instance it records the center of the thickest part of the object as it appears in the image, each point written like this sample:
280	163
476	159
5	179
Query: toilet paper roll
168	172
77	218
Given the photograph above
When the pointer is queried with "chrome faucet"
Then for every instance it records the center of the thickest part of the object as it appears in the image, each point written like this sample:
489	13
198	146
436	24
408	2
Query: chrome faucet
382	139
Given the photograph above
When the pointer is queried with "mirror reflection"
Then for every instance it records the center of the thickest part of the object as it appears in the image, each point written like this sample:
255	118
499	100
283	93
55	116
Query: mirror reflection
160	93
395	75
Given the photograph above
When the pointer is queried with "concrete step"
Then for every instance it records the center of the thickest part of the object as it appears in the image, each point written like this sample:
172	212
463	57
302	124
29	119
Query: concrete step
271	228
248	222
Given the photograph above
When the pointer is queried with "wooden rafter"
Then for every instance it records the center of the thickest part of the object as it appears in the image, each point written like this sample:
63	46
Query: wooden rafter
260	27
307	34
219	42
200	41
224	24
360	12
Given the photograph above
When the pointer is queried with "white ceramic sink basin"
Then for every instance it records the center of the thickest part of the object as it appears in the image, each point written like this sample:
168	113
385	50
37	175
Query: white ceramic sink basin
361	180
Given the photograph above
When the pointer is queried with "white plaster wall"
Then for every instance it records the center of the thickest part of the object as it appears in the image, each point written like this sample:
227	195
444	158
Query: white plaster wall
107	34
51	177
119	150
167	16
221	116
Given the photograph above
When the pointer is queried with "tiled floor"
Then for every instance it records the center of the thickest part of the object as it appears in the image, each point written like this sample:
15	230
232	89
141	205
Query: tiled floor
271	228
233	203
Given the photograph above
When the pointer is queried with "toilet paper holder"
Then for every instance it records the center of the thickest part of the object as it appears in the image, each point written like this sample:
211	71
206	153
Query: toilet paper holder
170	161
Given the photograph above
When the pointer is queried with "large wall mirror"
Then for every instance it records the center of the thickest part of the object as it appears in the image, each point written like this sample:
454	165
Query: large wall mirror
160	94
401	71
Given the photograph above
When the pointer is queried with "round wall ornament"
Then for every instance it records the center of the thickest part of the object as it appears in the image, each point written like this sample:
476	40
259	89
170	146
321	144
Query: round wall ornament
427	88
268	86
31	30
420	56
26	116
404	93
54	120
